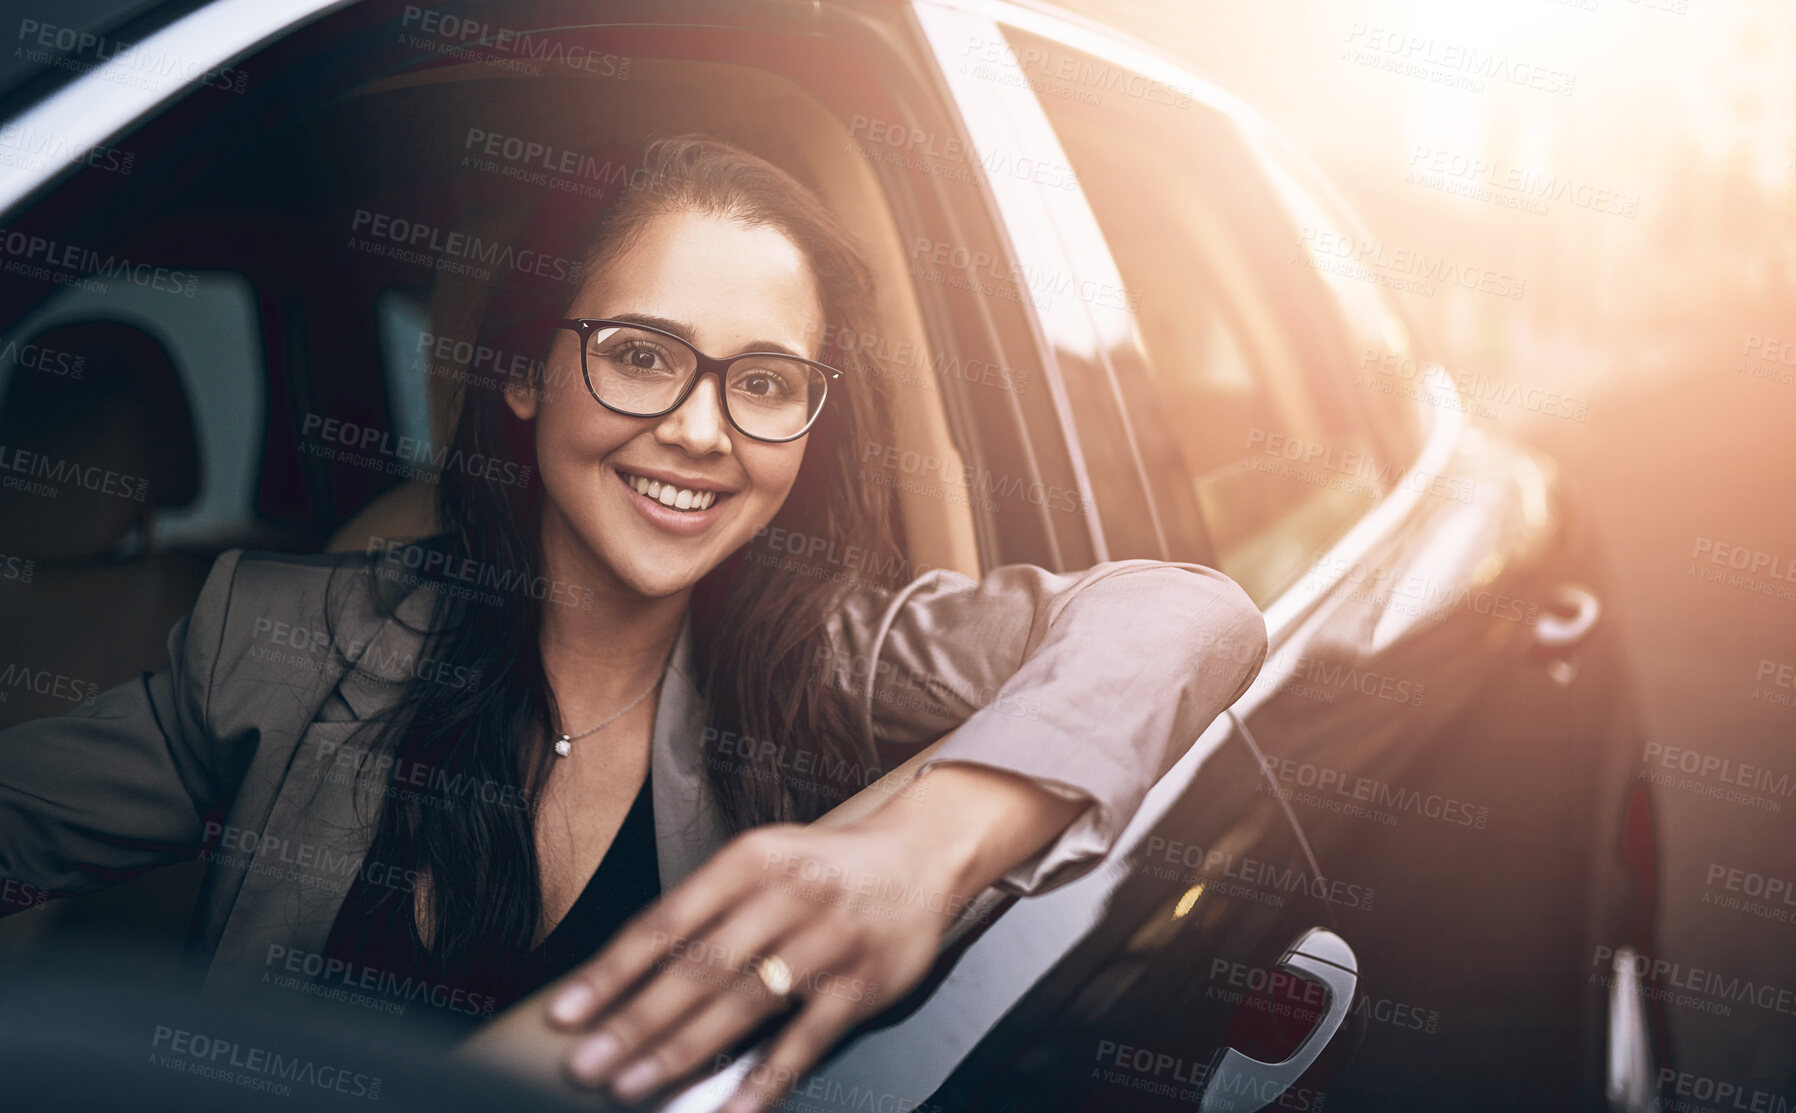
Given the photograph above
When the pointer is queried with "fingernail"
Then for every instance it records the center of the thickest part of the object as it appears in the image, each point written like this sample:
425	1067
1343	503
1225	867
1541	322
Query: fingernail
742	1103
589	1060
638	1078
572	1004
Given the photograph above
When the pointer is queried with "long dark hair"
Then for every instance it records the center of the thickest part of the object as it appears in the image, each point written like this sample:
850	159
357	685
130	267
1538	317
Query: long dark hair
758	618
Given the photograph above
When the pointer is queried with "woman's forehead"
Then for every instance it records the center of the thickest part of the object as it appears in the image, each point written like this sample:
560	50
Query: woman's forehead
727	282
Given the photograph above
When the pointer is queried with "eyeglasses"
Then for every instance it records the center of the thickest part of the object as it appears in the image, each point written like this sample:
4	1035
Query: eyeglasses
640	371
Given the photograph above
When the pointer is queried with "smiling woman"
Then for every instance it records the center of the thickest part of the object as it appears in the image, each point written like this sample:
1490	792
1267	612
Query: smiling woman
715	281
521	828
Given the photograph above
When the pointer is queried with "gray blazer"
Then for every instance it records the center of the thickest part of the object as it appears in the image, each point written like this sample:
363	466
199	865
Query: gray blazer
1091	683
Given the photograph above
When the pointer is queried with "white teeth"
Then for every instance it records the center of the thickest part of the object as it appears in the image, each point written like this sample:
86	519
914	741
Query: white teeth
668	495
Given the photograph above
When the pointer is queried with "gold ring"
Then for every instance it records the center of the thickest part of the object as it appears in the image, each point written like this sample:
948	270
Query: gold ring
775	975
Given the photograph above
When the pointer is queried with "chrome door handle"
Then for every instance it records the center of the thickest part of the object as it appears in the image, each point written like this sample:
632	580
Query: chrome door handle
1242	1084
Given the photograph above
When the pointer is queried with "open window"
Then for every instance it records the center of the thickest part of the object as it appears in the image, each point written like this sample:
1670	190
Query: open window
238	270
497	144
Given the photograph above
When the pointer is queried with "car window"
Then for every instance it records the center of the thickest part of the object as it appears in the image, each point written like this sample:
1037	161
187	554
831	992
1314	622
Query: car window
300	264
1384	369
1278	468
305	184
406	348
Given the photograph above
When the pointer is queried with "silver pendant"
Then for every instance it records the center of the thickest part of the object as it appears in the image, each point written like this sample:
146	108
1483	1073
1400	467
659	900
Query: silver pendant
564	746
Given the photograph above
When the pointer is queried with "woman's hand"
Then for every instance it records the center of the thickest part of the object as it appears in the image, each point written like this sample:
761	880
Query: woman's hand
852	917
811	898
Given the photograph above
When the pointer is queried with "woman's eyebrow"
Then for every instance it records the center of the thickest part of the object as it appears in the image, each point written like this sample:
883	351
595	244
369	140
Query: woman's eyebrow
666	324
684	331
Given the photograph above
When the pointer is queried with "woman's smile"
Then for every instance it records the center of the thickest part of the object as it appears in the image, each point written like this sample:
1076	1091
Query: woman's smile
673	503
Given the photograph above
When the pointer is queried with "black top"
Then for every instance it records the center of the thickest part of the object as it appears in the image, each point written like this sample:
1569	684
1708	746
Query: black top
385	966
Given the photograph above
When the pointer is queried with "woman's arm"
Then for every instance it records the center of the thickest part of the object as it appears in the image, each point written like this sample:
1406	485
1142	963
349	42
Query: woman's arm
124	784
975	825
1067	697
1091	683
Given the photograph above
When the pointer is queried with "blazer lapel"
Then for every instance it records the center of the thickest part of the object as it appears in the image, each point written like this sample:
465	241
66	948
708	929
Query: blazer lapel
317	834
688	826
312	846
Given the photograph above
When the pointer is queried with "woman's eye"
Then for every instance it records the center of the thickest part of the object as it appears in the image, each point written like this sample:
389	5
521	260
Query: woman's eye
640	359
764	386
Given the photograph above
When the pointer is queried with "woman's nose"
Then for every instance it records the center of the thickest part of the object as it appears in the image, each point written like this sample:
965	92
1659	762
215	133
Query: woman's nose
698	426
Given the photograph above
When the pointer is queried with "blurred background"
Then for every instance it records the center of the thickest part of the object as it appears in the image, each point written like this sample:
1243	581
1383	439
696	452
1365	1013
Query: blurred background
1640	181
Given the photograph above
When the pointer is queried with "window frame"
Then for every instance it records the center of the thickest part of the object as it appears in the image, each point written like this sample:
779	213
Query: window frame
94	109
1002	120
1288	616
1285	293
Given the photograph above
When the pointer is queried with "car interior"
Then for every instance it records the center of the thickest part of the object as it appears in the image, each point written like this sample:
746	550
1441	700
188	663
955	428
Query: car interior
171	391
752	108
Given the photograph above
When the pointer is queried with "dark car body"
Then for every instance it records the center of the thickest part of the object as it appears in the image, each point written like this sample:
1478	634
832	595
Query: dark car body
1408	868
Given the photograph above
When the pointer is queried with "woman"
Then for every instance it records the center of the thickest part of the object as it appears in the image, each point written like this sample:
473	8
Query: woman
520	732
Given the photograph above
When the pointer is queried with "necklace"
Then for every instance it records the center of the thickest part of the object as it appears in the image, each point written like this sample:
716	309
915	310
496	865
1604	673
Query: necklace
565	744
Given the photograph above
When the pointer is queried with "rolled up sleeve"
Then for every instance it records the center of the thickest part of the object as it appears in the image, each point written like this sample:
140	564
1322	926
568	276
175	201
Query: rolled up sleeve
1092	684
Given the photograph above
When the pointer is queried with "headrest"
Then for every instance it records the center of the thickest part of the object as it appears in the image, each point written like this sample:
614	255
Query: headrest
95	430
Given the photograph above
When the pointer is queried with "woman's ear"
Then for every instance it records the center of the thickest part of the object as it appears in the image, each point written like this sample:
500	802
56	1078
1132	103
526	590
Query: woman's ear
521	396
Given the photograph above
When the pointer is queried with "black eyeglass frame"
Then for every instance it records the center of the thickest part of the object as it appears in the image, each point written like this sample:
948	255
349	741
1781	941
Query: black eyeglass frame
584	327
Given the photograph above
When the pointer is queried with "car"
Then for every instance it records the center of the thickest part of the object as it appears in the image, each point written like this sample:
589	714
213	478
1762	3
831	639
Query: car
242	247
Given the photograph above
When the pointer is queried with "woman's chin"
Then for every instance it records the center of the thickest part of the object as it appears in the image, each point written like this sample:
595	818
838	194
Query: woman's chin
658	581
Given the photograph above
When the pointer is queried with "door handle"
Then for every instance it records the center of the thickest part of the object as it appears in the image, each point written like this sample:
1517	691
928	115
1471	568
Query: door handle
1239	1083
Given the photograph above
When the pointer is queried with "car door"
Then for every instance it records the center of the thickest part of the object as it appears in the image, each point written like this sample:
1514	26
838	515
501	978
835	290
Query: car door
1430	605
1207	960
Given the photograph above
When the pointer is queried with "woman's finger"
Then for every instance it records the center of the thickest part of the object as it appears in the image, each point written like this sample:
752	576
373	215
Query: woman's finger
715	1025
796	1050
625	1043
593	988
690	973
681	914
718	1022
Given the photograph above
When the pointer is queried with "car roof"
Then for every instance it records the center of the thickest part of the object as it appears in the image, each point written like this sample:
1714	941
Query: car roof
50	53
1112	44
